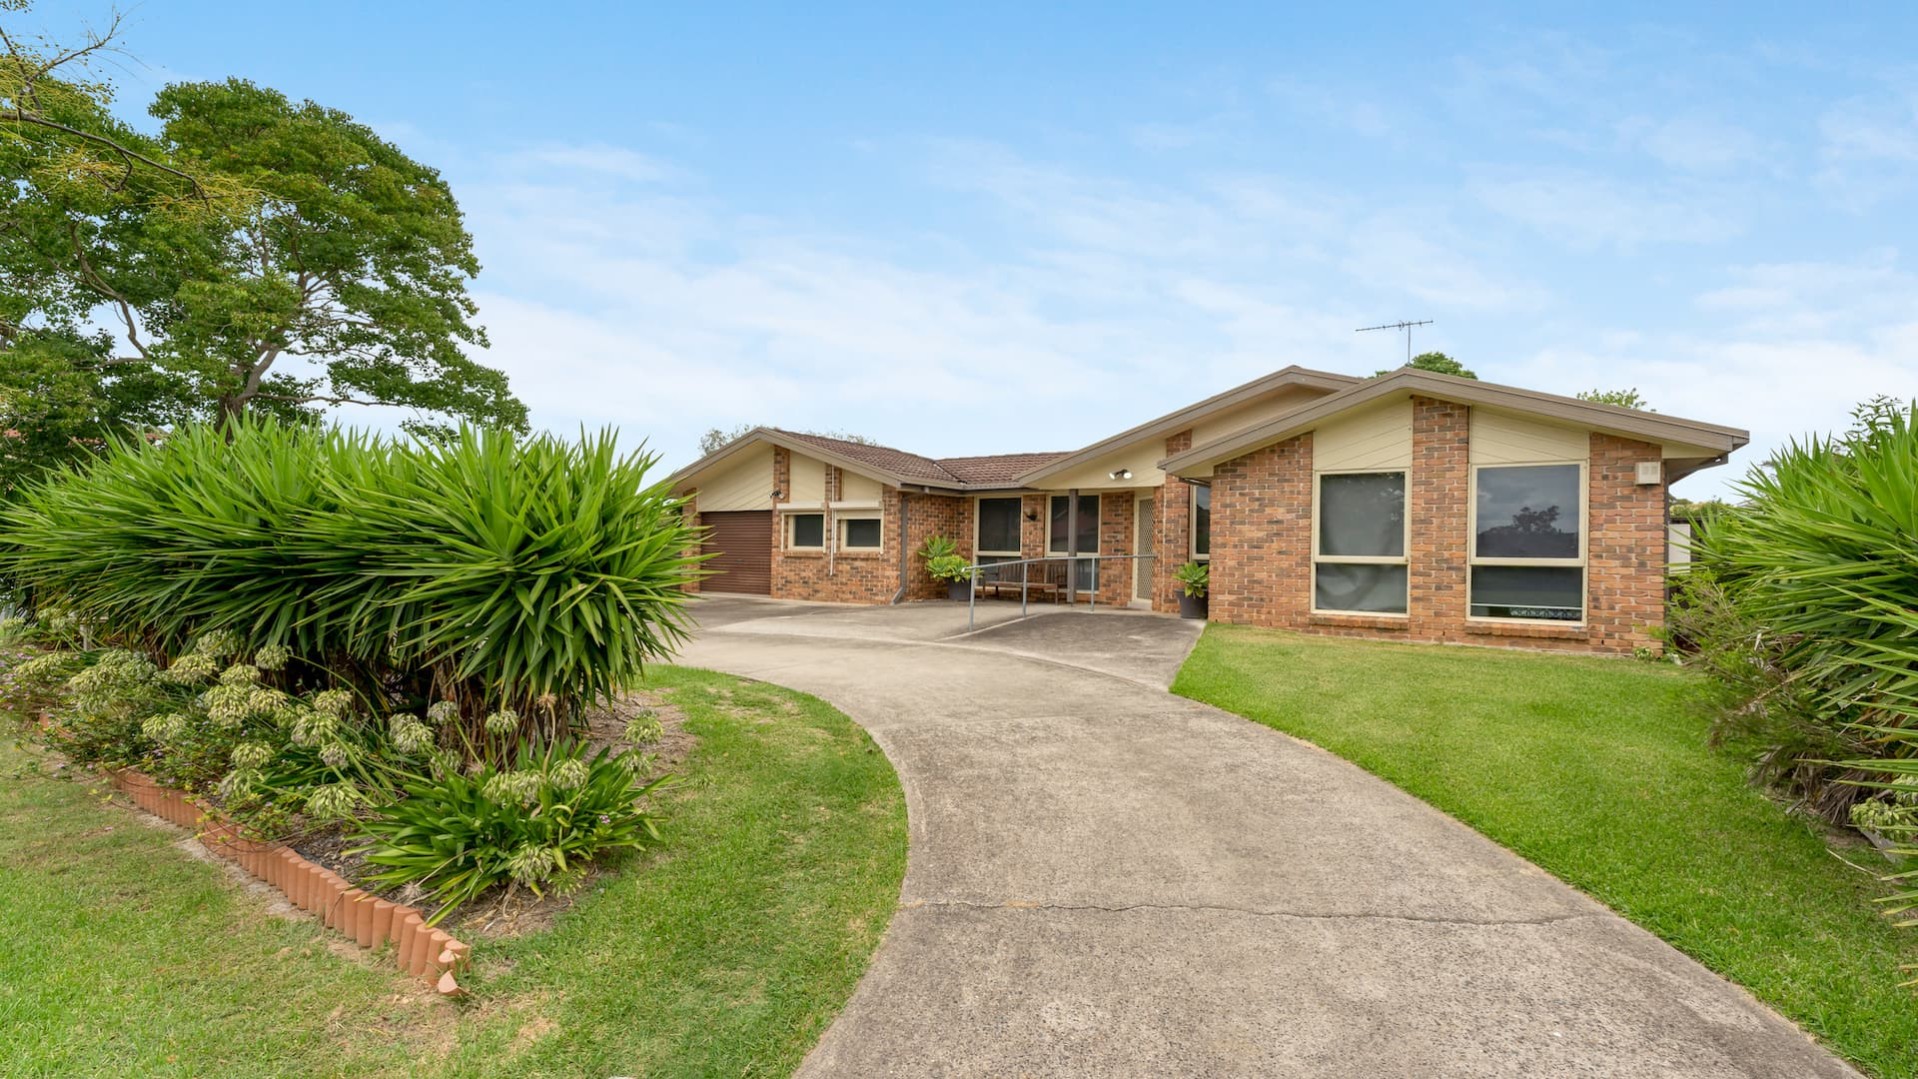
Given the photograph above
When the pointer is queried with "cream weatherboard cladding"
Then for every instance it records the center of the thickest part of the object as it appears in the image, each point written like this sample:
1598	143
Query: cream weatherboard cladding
808	482
1372	439
1499	438
857	489
745	485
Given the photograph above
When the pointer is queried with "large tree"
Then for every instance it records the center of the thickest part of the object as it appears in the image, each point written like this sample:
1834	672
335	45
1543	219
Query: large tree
255	254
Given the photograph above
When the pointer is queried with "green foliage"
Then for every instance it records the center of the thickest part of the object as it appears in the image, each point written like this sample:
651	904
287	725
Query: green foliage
943	561
535	826
1436	362
533	576
1622	398
718	438
1809	620
256	254
1195	578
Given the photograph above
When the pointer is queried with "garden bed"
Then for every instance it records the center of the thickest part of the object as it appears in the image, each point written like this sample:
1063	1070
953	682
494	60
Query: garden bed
726	950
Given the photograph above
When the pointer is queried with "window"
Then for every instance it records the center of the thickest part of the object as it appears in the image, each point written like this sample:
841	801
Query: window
806	531
1528	542
859	533
1358	543
998	531
1086	573
1088	524
1201	523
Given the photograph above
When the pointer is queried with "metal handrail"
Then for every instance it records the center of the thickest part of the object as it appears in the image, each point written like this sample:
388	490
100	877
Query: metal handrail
1025	583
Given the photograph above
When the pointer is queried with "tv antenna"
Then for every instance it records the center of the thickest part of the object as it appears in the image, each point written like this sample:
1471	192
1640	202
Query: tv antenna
1405	326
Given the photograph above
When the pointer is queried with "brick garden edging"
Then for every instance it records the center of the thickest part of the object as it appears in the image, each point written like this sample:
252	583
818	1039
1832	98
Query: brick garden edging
427	953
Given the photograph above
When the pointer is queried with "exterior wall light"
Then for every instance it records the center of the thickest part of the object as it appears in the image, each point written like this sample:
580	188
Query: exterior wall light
1120	474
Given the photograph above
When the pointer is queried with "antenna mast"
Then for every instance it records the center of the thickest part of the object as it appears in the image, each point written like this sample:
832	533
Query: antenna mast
1405	326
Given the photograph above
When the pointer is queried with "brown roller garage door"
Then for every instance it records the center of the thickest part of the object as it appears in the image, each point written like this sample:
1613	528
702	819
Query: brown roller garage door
741	544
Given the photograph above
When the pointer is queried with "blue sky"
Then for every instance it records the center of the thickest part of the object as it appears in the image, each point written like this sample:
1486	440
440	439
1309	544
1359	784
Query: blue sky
992	228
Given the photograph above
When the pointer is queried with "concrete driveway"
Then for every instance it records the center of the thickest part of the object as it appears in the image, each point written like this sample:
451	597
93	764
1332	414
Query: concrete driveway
1108	880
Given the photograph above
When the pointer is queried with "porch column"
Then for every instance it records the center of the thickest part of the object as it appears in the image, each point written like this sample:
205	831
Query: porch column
1072	546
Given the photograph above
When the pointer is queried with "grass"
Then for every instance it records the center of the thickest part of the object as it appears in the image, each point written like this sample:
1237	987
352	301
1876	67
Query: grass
1598	771
726	952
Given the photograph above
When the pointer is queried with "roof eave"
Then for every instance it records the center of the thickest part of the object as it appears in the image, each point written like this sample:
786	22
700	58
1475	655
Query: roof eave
1172	422
1612	419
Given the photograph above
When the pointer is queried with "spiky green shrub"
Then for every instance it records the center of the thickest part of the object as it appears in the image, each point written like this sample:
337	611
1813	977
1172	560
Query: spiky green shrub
1808	617
535	825
526	576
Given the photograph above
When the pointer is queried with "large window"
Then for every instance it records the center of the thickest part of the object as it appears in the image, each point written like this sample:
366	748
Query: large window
1359	543
1088	534
997	539
805	531
859	533
1201	523
1528	542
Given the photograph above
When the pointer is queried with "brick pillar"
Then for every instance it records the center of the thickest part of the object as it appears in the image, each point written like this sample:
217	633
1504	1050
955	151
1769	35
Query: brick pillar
689	513
1116	509
1262	536
1440	475
1173	539
1625	554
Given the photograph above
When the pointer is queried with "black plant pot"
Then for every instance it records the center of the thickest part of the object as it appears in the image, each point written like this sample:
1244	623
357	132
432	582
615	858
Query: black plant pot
958	591
1191	606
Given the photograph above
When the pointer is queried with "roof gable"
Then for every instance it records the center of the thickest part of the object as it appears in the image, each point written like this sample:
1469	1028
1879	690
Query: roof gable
1612	419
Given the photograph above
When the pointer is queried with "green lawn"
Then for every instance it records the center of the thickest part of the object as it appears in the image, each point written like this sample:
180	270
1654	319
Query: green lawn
1598	771
725	953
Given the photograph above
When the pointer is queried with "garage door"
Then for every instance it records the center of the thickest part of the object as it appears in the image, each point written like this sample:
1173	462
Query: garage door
742	548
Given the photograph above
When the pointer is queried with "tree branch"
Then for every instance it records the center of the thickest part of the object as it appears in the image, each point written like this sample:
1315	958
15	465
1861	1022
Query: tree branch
94	279
320	398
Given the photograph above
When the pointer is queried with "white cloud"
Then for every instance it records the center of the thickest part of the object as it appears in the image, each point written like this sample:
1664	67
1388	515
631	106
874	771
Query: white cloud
1586	212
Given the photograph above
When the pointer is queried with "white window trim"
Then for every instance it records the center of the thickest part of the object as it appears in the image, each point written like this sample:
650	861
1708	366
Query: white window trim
787	517
980	552
840	520
1581	562
1061	553
1362	560
1192	522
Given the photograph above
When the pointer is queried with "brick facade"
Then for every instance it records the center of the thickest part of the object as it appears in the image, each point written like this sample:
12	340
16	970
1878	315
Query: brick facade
1262	542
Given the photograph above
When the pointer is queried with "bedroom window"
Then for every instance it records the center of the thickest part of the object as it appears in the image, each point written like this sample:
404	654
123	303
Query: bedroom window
1528	542
1358	543
805	531
860	533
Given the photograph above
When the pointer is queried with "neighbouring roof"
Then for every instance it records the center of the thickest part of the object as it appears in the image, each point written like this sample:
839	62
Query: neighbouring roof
1711	441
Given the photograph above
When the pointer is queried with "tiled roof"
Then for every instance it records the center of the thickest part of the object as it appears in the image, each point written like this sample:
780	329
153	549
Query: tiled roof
897	462
998	470
995	470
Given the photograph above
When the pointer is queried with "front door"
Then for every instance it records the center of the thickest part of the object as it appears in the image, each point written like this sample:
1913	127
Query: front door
1143	522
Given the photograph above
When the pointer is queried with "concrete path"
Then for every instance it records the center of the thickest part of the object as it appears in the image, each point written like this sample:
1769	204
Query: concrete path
1106	880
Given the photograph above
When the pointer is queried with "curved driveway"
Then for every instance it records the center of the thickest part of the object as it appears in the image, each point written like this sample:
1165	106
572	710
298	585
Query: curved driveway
1108	880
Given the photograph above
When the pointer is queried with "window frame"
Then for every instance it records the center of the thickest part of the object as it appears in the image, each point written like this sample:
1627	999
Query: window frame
786	529
1404	559
844	518
1192	522
1019	520
1581	563
1097	516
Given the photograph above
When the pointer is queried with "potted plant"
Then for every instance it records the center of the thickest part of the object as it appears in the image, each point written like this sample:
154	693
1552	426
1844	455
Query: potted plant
944	563
1195	579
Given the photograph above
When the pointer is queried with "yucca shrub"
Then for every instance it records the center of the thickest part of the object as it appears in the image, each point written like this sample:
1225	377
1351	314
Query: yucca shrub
1807	616
528	577
535	825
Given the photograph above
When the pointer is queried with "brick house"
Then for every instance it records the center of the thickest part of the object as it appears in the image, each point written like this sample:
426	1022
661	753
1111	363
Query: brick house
1411	506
